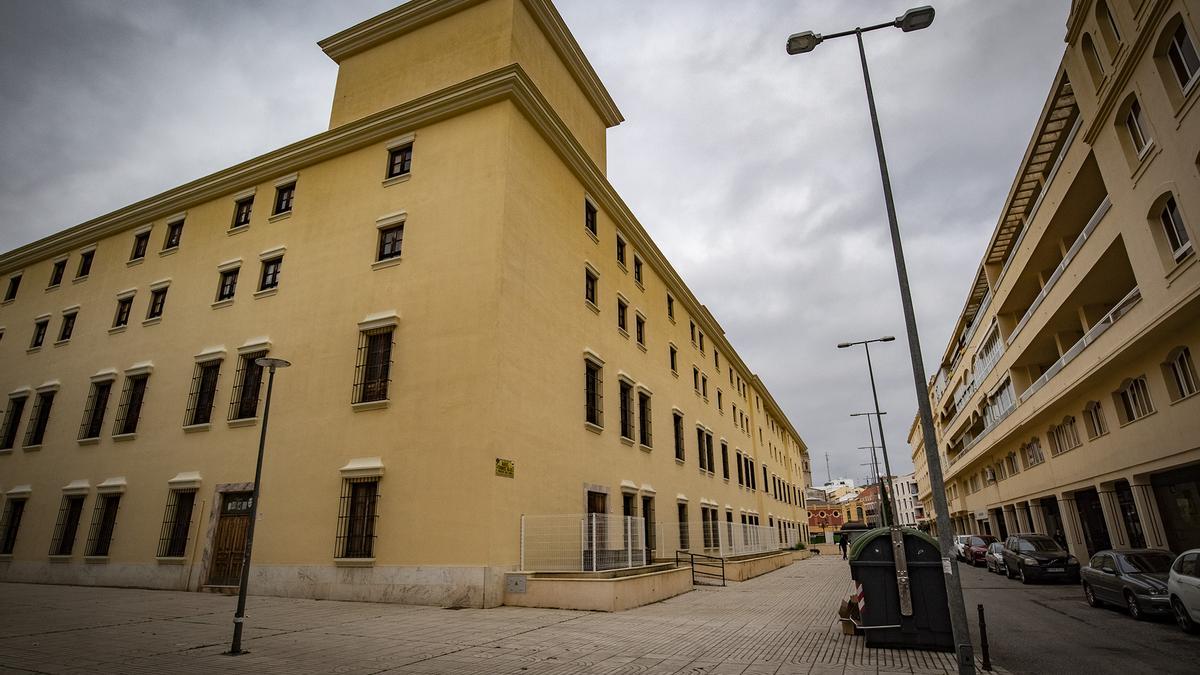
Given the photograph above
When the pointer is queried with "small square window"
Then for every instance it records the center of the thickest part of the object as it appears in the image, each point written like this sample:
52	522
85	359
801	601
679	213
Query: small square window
85	264
174	235
399	161
241	212
121	318
283	198
158	300
227	286
14	284
270	274
390	240
68	327
57	272
140	242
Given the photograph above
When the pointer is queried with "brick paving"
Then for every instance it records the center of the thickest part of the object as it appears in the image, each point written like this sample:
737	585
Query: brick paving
782	623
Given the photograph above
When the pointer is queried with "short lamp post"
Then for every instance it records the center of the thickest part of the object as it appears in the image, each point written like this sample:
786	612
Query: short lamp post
801	43
240	615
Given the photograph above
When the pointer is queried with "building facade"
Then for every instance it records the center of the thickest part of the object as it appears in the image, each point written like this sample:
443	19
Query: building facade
1065	401
909	509
480	329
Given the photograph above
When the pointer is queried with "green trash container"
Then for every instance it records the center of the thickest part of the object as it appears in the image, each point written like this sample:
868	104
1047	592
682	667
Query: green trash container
873	568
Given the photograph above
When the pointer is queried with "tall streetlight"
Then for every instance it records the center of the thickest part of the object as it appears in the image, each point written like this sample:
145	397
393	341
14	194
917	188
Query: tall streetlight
885	501
240	615
887	465
800	43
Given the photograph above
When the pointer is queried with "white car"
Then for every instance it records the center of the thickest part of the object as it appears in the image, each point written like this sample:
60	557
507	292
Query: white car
960	545
1183	587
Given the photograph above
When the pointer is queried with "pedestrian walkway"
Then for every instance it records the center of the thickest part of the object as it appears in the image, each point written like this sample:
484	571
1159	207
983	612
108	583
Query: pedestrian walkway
782	623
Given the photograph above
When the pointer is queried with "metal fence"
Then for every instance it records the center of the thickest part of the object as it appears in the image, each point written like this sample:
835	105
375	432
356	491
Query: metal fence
722	539
582	542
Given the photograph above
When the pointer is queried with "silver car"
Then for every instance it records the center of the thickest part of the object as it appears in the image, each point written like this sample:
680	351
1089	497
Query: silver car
994	558
1183	587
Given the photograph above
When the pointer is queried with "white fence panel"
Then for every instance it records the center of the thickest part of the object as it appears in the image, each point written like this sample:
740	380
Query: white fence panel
582	542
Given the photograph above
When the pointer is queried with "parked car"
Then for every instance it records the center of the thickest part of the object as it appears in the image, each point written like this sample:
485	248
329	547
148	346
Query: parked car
994	558
1183	589
976	547
960	546
1133	578
1030	557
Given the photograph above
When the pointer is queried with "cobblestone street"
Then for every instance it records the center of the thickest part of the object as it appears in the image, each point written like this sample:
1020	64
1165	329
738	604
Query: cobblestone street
781	623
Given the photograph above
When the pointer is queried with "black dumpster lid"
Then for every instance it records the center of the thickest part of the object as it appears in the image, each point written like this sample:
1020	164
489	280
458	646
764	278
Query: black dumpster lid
861	540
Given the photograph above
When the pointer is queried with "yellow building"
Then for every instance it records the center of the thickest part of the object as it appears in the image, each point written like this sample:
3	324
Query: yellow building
479	326
1065	402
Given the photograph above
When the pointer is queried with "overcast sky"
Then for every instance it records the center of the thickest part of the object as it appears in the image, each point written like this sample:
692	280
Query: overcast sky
754	171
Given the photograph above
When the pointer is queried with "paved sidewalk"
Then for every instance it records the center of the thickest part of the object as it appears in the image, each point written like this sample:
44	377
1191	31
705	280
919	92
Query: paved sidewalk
781	623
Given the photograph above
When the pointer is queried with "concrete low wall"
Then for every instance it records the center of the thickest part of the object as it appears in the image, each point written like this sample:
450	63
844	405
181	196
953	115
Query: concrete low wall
803	555
827	549
598	593
748	568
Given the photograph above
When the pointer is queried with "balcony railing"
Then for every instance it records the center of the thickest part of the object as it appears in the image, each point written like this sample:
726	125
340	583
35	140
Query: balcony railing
1118	311
1105	205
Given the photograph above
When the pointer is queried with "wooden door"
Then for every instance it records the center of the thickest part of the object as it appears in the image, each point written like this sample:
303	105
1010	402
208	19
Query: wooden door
229	541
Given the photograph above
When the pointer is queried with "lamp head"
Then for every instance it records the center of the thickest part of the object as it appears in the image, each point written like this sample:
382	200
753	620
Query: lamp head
802	43
887	338
843	345
267	362
914	19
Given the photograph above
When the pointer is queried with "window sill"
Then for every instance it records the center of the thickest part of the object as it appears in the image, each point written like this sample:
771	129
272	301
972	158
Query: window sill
1186	259
645	448
1188	99
386	263
117	329
164	560
624	333
244	422
59	343
95	440
55	287
363	406
120	438
680	462
642	346
79	280
168	251
228	302
32	448
135	261
33	350
237	230
60	558
592	306
354	562
8	302
623	267
640	285
6	451
6	557
594	428
402	178
279	216
95	559
266	292
152	321
193	428
1181	399
675	373
595	237
1125	424
627	441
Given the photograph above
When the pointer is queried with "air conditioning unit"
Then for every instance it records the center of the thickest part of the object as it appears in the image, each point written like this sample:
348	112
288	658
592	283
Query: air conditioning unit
989	475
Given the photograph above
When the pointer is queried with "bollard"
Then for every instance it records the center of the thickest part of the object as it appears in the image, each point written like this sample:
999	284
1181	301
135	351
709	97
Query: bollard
983	642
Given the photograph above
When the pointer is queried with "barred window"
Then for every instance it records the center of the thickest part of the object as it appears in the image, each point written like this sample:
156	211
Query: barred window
140	242
10	524
39	333
124	305
1133	400
241	212
227	286
203	393
270	273
97	406
39	419
104	520
356	518
67	525
1180	373
626	404
593	394
12	419
374	365
177	523
645	436
390	241
283	198
130	410
158	300
174	235
399	161
243	404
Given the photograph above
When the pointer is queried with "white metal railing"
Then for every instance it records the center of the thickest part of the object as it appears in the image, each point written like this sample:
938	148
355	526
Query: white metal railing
1105	205
1119	310
722	539
582	542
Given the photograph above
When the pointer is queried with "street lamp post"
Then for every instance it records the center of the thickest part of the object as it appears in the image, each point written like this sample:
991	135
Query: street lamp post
240	615
799	43
888	507
887	465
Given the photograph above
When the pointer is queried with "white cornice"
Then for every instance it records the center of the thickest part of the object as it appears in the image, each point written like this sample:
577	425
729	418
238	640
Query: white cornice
417	13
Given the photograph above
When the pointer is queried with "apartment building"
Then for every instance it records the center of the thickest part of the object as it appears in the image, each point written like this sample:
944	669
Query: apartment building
479	327
1065	401
904	490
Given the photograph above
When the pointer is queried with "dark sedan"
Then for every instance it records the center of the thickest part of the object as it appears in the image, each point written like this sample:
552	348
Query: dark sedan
1031	557
1135	579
